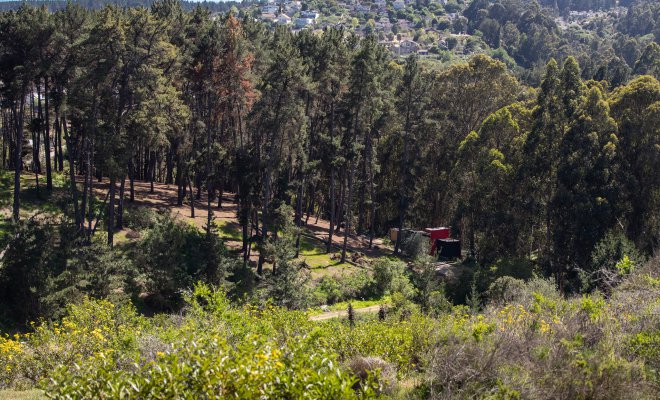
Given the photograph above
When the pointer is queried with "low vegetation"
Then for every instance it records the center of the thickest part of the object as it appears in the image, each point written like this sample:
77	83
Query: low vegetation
537	345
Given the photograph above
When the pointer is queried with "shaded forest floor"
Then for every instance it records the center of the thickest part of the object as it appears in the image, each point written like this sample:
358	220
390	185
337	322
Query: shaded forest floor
164	199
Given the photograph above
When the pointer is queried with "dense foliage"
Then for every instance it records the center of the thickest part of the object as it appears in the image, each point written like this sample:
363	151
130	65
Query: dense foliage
545	168
311	120
538	345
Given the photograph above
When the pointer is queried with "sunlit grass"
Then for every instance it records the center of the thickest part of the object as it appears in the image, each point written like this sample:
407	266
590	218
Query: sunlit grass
33	198
21	395
229	230
343	305
313	252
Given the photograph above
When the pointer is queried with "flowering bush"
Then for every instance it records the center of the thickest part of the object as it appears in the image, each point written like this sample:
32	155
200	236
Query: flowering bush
539	345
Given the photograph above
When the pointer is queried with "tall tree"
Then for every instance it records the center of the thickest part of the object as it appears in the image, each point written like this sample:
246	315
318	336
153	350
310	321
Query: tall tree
411	103
20	35
635	109
582	207
278	121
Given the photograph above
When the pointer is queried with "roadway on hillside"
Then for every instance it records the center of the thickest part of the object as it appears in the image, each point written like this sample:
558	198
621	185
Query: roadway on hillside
343	313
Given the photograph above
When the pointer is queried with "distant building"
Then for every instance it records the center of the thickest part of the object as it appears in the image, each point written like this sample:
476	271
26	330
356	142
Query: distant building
267	16
303	22
309	14
270	9
408	47
283	19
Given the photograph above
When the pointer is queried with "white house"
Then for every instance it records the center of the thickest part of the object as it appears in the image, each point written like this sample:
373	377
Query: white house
283	19
309	14
364	8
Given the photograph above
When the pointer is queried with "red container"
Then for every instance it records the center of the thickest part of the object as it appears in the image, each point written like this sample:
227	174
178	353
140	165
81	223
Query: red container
438	233
435	234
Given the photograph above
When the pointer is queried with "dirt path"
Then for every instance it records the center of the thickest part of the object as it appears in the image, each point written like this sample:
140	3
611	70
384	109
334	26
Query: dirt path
343	313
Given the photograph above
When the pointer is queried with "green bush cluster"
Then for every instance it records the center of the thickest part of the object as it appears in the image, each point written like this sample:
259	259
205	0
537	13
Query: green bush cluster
47	264
536	344
387	277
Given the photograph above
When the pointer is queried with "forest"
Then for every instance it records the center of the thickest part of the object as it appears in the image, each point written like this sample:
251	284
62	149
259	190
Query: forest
196	205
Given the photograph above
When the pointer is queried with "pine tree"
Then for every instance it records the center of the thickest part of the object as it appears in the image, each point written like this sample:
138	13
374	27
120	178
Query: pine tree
411	104
278	122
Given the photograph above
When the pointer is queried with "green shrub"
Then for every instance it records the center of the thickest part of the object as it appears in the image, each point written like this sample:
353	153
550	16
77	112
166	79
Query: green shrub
214	370
29	259
540	346
46	266
389	277
139	218
330	288
613	257
288	283
172	255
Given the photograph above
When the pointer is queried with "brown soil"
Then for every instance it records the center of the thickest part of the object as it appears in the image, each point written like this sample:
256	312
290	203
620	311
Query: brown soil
164	197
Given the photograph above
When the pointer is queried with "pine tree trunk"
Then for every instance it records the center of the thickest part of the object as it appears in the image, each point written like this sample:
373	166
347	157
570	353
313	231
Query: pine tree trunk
245	216
131	180
209	185
402	190
221	192
18	157
111	211
331	228
87	178
60	156
49	177
152	171
192	199
72	172
347	223
180	185
264	218
36	136
331	200
310	207
342	199
299	212
120	206
90	207
170	166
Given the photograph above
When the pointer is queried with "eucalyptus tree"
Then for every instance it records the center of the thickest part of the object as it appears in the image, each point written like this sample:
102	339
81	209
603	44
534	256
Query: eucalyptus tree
636	109
559	98
462	97
487	161
582	207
